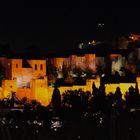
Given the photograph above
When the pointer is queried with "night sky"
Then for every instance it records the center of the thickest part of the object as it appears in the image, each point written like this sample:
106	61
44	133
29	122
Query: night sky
61	25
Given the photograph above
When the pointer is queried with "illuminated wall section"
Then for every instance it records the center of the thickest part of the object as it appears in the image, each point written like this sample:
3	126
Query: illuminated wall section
83	88
100	64
123	86
26	77
91	62
16	65
24	92
22	75
84	62
76	87
40	90
67	63
138	82
61	89
87	87
38	67
73	61
15	71
134	37
117	62
89	83
59	63
64	88
80	62
8	86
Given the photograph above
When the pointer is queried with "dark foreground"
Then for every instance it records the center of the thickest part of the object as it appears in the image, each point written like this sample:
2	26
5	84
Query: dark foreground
18	125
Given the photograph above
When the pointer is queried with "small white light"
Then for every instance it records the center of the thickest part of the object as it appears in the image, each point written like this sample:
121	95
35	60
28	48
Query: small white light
16	126
103	75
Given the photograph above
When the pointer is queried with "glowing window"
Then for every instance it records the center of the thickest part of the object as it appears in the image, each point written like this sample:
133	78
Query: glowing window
41	67
35	66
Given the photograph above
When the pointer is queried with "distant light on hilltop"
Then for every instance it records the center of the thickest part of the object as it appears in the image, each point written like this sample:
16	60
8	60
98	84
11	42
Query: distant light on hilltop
100	25
90	44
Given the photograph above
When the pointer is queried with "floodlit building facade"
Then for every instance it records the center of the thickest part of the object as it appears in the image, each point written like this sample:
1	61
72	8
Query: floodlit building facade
29	77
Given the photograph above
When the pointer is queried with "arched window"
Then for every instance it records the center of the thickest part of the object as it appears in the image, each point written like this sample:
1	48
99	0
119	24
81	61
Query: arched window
41	67
35	66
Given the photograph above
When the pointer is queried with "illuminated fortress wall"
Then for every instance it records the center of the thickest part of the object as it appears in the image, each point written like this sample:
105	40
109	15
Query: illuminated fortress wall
23	79
138	82
38	67
58	62
91	62
8	86
16	68
89	83
17	72
111	88
40	90
100	63
87	87
80	62
84	62
28	77
117	62
24	92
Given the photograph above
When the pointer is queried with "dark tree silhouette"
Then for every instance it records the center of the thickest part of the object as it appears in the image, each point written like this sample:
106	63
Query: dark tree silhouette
51	69
118	94
56	99
13	99
94	89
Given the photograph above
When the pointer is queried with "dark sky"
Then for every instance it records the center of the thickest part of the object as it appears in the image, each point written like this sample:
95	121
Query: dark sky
62	25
